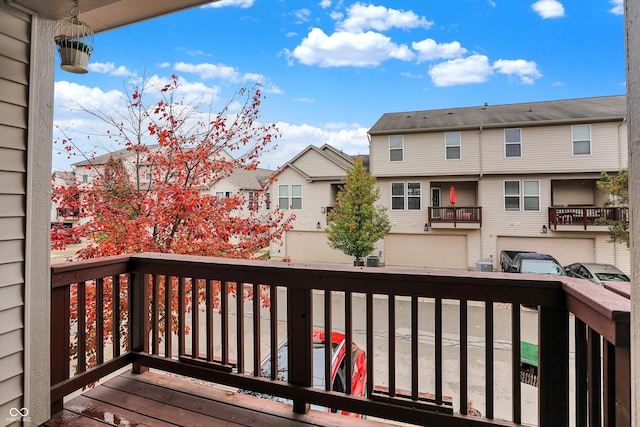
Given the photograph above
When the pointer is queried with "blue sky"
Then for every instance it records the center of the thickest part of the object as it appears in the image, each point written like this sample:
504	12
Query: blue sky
331	68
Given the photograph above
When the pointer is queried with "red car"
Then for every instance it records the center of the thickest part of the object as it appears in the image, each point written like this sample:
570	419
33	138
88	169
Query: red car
338	368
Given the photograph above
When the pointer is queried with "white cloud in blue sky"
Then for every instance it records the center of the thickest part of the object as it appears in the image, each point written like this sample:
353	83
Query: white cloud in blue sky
332	68
549	8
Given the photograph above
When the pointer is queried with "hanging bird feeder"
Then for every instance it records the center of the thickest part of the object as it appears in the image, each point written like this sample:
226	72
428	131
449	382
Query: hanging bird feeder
75	42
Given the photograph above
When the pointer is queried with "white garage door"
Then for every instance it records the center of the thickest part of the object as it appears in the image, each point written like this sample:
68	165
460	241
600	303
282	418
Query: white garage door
433	251
565	250
310	246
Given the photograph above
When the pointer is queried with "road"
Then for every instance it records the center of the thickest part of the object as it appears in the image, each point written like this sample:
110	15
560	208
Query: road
426	339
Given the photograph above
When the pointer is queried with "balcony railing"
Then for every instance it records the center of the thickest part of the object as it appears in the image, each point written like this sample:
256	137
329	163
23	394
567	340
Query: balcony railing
586	216
455	215
434	334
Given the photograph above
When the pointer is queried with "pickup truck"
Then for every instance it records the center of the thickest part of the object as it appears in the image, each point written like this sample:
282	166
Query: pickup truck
530	262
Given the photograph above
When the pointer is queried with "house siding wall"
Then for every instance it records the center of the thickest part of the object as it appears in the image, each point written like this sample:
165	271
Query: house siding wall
315	165
15	36
545	149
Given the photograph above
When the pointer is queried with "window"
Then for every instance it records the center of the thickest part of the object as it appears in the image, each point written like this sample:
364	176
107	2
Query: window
406	196
531	195
268	201
529	199
512	143
253	202
452	145
581	139
512	195
396	148
290	196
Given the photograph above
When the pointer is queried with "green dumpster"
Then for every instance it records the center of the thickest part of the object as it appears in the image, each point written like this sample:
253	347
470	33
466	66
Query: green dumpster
529	363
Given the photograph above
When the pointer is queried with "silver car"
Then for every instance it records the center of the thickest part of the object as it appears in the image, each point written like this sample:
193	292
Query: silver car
597	273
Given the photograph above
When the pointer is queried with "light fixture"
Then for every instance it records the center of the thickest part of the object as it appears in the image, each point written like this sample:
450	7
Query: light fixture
426	226
75	42
318	226
544	229
323	209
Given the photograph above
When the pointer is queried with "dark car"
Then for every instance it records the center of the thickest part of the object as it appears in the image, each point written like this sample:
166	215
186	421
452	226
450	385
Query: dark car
338	368
597	273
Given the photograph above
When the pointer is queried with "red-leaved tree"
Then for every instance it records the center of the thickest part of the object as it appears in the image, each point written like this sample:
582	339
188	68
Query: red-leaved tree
152	195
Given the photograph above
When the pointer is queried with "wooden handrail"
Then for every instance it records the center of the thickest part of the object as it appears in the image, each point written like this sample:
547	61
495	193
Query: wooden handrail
155	281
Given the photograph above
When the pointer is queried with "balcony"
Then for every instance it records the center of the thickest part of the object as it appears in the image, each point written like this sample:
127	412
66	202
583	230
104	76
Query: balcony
574	217
455	217
434	340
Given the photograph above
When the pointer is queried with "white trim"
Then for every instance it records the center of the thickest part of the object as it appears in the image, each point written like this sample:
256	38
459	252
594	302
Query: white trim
573	141
401	149
453	146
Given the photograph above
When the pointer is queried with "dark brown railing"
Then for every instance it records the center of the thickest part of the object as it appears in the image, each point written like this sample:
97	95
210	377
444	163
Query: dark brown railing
455	215
470	319
586	215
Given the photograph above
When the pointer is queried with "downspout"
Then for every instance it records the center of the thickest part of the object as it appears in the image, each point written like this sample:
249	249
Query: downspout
481	169
620	160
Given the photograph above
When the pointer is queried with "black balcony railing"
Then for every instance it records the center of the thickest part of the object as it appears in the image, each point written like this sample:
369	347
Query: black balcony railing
586	216
138	310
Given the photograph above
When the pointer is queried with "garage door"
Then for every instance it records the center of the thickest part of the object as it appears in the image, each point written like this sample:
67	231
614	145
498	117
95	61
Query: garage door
566	251
310	246
433	251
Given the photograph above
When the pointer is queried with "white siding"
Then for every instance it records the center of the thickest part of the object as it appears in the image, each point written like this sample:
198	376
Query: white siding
14	72
316	165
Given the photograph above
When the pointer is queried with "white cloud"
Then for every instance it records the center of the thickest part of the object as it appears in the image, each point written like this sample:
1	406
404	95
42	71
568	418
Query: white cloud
348	49
325	4
302	15
352	139
164	65
429	50
618	7
473	69
548	8
109	68
361	17
527	71
226	3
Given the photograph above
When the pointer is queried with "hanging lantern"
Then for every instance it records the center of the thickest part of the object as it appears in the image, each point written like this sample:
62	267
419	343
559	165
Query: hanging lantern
75	42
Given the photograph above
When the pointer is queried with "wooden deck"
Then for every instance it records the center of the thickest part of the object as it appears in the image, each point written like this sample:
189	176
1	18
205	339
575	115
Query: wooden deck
156	399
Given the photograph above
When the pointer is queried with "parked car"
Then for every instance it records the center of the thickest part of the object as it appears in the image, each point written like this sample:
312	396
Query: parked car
597	273
338	368
530	262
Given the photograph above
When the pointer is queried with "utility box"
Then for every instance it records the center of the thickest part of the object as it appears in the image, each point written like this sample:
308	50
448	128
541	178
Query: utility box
373	261
484	265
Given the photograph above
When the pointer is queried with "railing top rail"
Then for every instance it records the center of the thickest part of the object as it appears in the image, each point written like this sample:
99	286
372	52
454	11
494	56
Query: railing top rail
604	311
64	273
448	284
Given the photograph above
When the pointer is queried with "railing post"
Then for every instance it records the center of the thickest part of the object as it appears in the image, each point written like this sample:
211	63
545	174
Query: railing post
60	341
553	366
138	318
299	333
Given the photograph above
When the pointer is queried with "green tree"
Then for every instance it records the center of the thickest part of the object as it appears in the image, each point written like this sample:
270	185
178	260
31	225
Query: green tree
618	187
355	223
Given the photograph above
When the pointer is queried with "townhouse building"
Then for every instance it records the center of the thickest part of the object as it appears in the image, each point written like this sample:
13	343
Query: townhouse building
308	186
462	184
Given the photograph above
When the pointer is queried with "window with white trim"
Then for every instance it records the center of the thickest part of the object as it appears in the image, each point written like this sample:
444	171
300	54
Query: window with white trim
531	195
396	148
290	196
581	139
513	143
521	195
406	196
452	145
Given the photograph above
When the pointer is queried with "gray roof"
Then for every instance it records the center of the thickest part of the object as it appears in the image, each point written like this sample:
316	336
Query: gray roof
607	108
250	179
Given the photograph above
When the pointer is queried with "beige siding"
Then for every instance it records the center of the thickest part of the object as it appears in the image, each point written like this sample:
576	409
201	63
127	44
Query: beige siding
316	165
313	247
427	250
14	73
545	149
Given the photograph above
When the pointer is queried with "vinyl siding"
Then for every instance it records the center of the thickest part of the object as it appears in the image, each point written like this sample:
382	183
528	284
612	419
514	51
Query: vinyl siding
15	30
315	165
545	149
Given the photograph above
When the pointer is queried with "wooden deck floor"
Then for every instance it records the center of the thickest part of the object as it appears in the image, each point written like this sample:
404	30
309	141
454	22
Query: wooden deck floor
155	399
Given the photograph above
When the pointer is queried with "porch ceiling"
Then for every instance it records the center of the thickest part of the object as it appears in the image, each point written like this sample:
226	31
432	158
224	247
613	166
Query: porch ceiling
102	15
